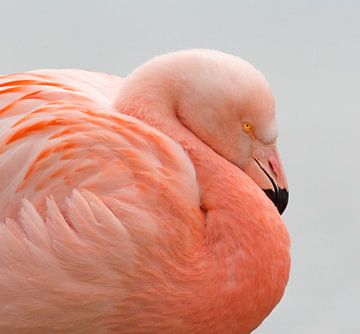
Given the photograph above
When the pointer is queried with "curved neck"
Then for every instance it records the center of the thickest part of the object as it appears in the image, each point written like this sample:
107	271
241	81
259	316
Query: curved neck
246	243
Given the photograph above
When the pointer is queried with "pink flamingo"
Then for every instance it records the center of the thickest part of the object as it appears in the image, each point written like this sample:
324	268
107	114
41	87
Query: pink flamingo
135	205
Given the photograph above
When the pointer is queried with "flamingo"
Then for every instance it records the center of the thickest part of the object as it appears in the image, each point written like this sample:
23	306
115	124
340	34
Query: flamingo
144	204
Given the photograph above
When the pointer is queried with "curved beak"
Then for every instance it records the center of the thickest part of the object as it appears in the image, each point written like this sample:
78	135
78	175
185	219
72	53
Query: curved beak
267	171
279	196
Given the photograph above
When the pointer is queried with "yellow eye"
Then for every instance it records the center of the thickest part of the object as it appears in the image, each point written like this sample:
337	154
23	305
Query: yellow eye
247	127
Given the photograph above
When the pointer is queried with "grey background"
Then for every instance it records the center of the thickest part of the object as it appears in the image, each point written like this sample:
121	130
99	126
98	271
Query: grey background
310	53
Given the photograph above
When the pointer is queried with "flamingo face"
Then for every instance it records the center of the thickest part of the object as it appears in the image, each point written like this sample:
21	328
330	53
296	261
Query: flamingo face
228	104
265	168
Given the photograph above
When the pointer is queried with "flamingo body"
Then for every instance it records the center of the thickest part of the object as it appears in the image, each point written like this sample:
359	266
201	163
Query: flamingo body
114	224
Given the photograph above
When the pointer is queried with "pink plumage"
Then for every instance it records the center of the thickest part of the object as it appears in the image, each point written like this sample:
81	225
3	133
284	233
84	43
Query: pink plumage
135	205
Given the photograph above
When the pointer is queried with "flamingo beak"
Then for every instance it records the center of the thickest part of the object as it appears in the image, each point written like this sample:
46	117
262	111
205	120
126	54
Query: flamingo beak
267	171
279	196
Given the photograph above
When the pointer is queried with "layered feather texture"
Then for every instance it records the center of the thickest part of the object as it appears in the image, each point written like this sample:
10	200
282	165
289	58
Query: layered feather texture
70	251
102	228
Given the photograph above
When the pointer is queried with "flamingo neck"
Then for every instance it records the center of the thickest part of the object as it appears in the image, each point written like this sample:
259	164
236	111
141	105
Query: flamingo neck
246	243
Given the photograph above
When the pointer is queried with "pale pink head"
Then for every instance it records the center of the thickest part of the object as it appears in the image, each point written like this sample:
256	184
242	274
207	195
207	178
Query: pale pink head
226	103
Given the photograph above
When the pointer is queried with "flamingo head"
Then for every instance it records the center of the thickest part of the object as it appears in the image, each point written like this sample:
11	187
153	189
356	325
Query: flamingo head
229	106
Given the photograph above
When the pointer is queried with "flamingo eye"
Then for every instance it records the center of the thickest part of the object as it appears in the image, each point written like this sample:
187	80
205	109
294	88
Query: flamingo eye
247	127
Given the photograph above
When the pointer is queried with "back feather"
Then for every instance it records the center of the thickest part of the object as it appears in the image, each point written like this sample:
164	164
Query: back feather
88	196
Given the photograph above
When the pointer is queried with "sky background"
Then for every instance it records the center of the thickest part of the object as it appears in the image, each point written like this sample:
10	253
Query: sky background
310	53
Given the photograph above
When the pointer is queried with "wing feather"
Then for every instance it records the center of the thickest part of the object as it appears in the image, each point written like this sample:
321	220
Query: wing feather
87	196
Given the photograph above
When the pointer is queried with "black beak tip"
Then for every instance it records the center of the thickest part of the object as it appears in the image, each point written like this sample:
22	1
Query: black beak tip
280	198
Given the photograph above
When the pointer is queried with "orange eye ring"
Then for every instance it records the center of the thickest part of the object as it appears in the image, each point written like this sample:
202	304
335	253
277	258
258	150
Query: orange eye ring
247	127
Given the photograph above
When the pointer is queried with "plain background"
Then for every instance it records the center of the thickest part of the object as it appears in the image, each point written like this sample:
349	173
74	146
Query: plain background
310	53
